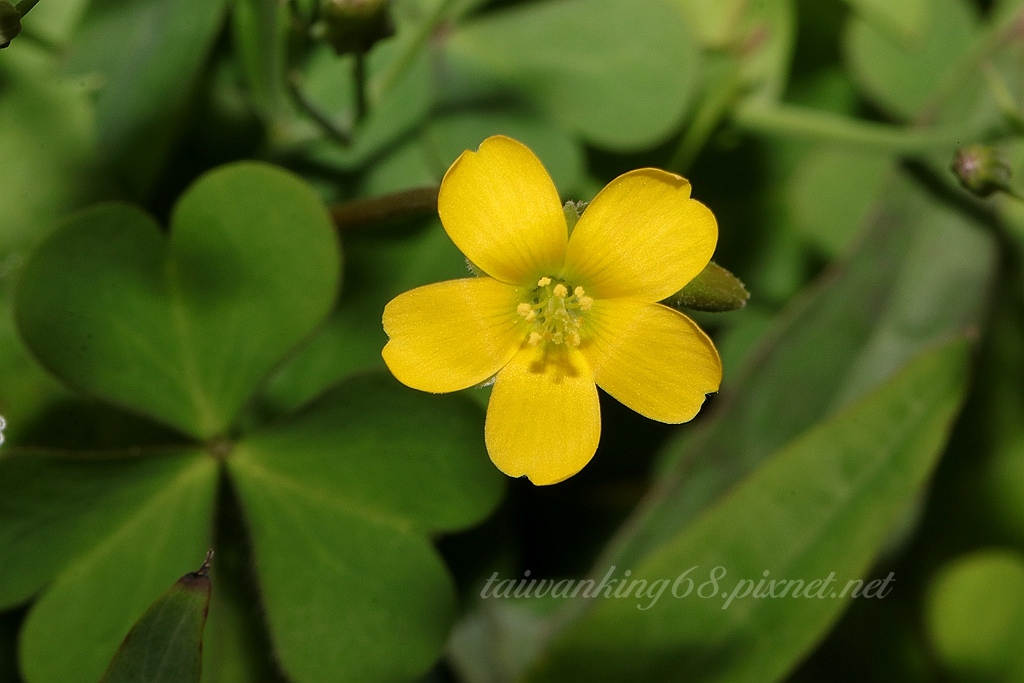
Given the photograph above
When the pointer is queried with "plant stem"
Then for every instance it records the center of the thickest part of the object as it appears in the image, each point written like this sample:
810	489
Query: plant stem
412	49
713	108
333	130
800	122
405	204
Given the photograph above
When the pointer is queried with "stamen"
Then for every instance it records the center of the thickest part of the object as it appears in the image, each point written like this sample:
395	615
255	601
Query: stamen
555	310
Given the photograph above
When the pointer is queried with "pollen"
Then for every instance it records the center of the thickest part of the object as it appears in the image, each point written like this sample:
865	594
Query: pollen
555	310
526	310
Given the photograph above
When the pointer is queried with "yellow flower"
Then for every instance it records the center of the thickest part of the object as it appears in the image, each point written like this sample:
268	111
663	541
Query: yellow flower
556	315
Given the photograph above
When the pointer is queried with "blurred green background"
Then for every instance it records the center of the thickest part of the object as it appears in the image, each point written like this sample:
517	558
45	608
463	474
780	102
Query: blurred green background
187	364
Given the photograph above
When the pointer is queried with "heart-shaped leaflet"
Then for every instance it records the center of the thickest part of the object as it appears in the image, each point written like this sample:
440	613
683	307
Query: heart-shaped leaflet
183	326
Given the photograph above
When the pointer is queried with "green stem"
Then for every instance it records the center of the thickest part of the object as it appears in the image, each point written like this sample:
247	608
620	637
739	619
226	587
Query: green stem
332	129
362	212
793	121
25	6
711	111
412	49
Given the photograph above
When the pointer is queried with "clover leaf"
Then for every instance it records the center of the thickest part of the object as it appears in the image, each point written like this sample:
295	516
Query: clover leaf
339	500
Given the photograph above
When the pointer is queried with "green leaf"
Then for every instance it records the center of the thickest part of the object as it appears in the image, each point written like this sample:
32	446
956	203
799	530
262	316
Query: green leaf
903	21
46	169
166	644
922	274
975	616
183	328
714	290
55	21
145	56
425	160
821	508
339	502
757	39
900	78
577	60
832	192
716	22
27	388
53	510
259	30
134	546
767	47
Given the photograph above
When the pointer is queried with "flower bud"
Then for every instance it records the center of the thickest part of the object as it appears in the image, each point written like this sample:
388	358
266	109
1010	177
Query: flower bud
10	23
355	25
714	290
982	170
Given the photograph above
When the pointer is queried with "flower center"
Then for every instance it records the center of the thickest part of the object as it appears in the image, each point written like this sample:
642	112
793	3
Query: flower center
556	312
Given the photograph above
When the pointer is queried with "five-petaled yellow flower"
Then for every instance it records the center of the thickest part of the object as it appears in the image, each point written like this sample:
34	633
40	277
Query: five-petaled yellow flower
557	314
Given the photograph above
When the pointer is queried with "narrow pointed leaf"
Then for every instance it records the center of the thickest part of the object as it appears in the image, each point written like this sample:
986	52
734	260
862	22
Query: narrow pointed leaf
820	509
166	644
867	318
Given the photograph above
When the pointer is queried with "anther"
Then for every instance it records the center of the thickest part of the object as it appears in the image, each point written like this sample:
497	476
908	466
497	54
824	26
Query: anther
544	281
560	291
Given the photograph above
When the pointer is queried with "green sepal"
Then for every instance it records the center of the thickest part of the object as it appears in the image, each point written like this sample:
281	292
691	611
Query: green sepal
166	644
572	211
714	290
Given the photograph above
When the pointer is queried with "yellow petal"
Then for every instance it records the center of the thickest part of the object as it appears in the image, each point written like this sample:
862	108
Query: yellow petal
452	335
651	358
543	419
642	237
501	209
